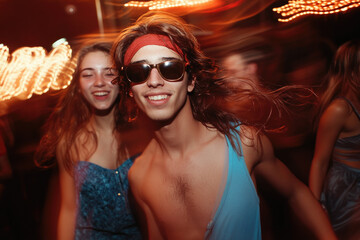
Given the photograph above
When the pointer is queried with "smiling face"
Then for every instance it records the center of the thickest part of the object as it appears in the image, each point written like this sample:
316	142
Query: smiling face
96	73
160	99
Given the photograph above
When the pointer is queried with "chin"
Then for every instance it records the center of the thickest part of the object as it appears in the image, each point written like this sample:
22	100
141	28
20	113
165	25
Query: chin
164	118
102	108
102	112
158	118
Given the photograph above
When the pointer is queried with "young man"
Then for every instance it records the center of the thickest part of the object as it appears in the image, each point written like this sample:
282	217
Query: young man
196	177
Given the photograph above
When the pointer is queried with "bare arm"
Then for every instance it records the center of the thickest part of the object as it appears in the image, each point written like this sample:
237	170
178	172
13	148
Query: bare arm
264	164
330	125
67	215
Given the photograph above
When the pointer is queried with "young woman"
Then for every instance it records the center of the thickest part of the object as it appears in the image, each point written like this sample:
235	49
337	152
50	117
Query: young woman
335	170
83	133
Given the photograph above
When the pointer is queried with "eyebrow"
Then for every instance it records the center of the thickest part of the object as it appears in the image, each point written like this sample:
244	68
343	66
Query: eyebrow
93	69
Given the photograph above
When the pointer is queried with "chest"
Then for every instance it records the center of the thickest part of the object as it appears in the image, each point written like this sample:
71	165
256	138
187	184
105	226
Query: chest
186	192
104	154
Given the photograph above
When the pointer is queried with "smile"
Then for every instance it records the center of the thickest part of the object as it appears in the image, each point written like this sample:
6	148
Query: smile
158	97
101	93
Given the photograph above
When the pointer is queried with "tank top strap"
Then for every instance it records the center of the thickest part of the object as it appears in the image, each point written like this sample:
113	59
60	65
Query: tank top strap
352	106
235	137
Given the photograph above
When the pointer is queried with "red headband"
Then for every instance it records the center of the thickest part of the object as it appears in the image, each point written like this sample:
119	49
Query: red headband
150	39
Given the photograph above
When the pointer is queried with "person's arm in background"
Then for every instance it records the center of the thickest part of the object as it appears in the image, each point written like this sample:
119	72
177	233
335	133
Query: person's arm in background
269	168
330	125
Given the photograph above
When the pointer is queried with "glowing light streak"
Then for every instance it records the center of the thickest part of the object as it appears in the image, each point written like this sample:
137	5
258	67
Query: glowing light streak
297	8
161	4
30	70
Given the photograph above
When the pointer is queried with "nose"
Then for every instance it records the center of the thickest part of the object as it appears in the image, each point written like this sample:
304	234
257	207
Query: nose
99	80
154	79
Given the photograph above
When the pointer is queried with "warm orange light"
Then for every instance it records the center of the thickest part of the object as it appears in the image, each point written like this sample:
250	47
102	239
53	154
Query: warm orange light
297	8
31	70
160	4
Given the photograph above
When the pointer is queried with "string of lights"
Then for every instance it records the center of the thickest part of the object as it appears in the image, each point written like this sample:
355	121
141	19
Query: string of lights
30	70
161	4
297	8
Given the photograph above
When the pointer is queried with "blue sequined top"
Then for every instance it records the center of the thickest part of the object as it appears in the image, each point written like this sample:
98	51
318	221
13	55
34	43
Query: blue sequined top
103	207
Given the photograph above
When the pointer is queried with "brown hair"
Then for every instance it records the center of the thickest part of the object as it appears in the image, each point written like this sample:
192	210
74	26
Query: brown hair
343	75
214	102
69	120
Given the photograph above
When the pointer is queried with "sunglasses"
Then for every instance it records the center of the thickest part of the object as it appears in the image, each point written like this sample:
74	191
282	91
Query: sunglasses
170	70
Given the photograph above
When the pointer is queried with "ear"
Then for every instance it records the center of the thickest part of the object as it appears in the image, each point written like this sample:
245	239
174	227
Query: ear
131	93
251	68
191	85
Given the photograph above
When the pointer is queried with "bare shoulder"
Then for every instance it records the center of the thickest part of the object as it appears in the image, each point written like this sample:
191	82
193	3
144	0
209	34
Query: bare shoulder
335	114
256	146
247	135
254	139
338	108
141	163
81	148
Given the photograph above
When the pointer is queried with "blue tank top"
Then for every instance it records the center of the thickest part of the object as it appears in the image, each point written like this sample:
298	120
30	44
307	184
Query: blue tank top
238	214
103	209
348	148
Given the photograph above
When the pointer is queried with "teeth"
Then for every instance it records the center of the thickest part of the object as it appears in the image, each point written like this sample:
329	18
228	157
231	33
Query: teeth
158	97
100	93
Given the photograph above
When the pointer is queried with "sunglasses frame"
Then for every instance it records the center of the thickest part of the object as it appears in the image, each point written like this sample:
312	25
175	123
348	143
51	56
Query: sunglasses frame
157	66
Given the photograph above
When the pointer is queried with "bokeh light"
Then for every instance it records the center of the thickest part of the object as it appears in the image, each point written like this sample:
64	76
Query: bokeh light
31	70
297	8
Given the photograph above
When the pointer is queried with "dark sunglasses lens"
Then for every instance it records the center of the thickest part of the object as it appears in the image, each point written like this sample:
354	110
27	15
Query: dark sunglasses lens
172	70
137	73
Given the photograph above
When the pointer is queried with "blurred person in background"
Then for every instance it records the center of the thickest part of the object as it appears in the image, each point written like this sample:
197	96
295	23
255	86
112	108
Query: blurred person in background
196	178
241	65
335	170
84	135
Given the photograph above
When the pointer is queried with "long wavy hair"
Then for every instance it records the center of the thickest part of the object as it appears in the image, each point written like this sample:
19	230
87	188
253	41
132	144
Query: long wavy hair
215	103
343	76
70	119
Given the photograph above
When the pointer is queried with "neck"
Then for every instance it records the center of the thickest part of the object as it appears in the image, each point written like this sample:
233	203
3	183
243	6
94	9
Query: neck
181	134
102	121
